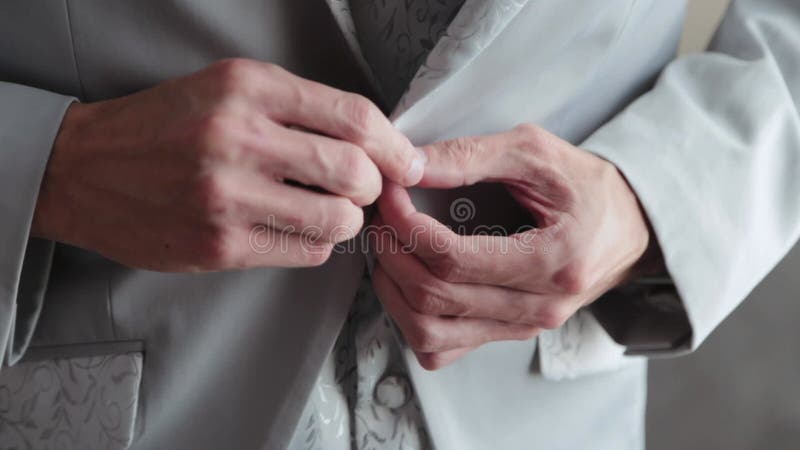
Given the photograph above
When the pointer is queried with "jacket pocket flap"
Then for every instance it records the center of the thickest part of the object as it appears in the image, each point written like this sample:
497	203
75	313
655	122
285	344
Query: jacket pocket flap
84	402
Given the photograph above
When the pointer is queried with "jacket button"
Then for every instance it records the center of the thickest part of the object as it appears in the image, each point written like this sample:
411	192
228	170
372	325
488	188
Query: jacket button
393	391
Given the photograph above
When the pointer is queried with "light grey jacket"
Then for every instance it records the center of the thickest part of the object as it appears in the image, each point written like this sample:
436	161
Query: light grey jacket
96	355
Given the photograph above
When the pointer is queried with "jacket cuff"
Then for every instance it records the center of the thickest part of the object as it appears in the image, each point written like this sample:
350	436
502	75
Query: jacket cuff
29	122
650	316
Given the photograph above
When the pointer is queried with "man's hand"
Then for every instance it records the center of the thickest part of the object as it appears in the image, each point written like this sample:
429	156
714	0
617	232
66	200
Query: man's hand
450	293
176	178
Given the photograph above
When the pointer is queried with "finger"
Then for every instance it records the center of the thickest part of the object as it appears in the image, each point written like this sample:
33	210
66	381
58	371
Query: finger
336	166
352	118
261	246
431	334
428	295
525	261
469	160
429	361
422	234
288	209
523	155
207	248
325	217
436	361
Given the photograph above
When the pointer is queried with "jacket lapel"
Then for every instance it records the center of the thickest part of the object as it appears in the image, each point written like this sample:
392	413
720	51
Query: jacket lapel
343	17
473	29
476	25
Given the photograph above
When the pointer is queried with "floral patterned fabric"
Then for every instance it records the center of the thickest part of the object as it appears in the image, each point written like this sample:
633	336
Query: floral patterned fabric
86	403
363	398
396	36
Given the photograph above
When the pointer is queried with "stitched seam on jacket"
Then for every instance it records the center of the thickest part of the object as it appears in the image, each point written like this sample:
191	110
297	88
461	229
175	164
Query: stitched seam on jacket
74	52
109	306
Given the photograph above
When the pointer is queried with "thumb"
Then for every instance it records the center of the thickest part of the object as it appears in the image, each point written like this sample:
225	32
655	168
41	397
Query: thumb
466	161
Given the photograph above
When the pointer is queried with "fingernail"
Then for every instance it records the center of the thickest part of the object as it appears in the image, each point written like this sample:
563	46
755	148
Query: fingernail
417	169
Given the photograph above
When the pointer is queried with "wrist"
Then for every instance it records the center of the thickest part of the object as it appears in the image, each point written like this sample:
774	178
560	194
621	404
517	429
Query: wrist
645	250
651	263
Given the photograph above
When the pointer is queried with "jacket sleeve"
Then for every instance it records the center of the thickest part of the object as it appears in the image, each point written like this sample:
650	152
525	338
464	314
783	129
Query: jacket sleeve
29	121
713	153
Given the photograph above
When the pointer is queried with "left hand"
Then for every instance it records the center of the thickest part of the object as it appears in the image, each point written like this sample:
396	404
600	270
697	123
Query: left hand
450	294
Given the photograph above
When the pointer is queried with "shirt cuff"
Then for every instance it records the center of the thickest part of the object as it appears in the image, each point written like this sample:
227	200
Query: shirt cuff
29	122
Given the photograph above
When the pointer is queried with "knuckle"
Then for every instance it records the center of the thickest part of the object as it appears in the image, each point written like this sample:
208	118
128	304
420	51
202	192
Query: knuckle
533	139
360	115
465	145
217	250
521	313
314	255
466	154
319	155
294	93
431	361
232	74
424	336
529	130
463	150
355	218
528	333
212	197
297	221
446	267
363	179
345	219
353	159
271	68
573	279
428	300
551	317
213	135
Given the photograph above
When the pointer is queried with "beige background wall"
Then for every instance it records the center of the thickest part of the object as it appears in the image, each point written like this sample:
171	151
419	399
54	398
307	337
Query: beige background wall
741	390
701	20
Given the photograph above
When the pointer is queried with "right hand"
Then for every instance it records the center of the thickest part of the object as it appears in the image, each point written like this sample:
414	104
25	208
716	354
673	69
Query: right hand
177	177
